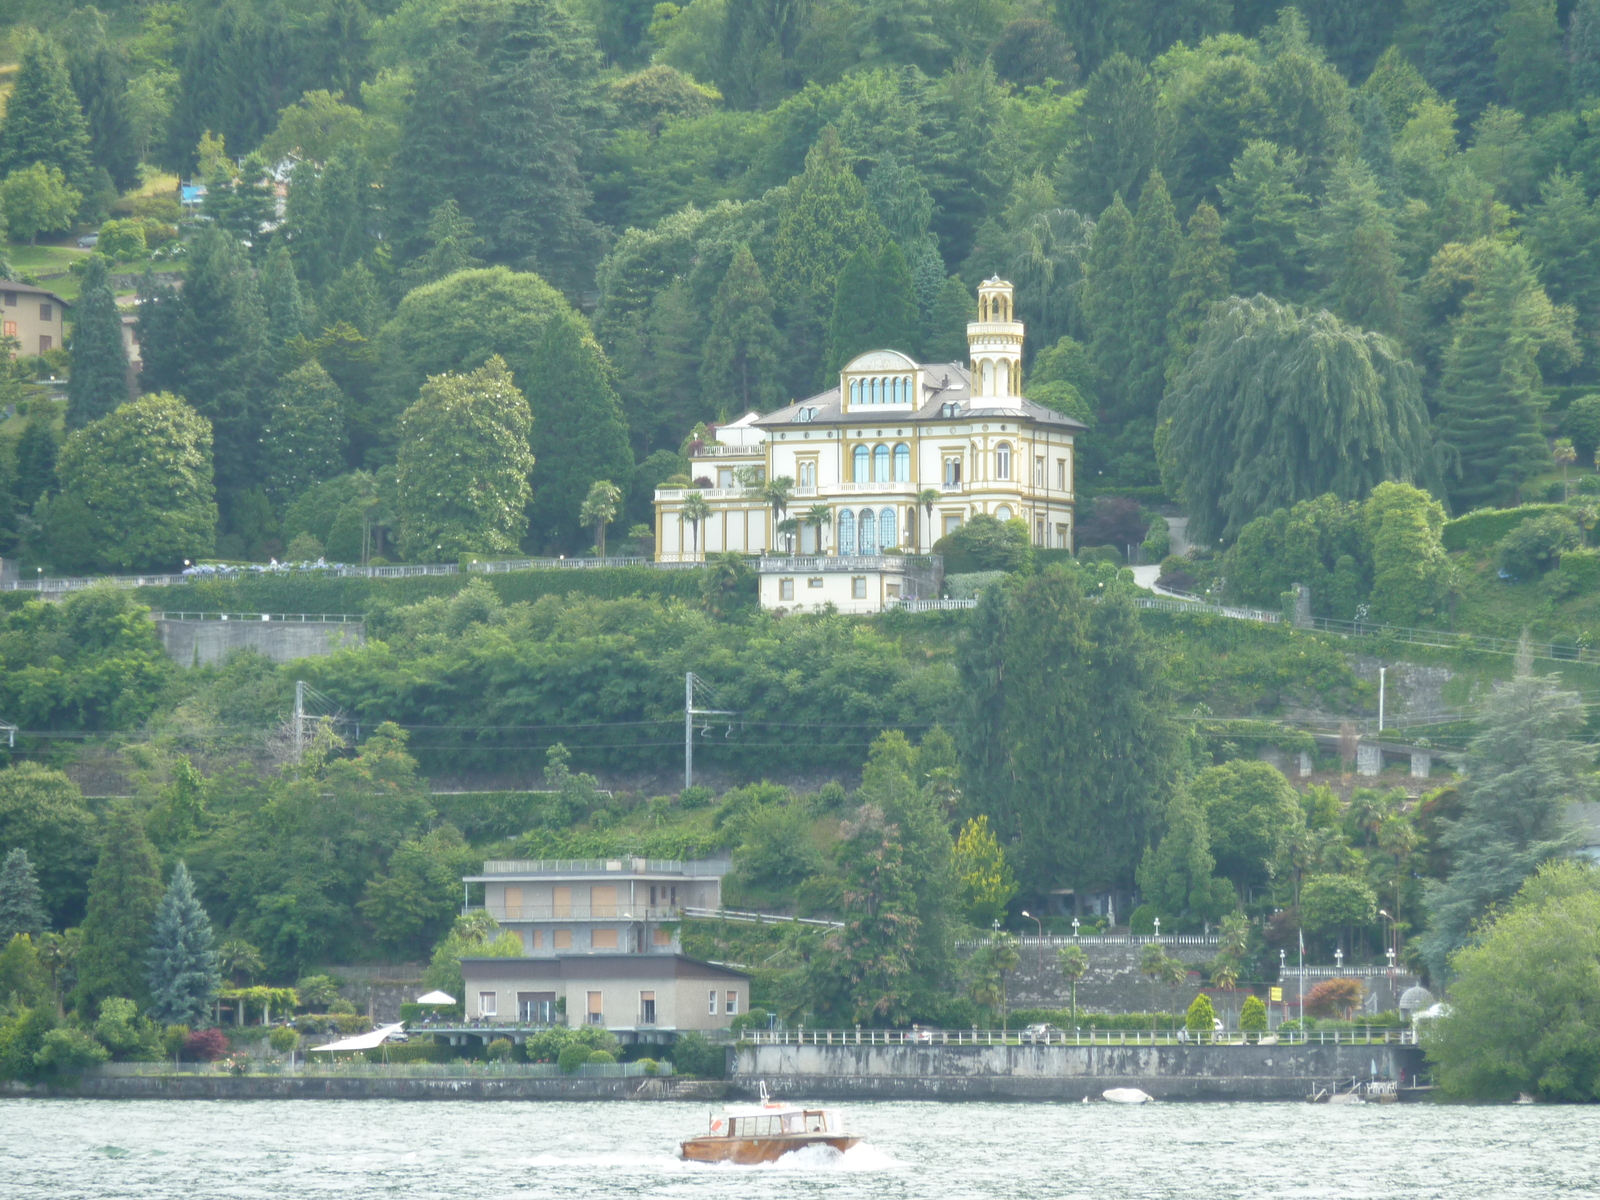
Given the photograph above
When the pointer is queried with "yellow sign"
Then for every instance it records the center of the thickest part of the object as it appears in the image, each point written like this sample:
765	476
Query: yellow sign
1276	994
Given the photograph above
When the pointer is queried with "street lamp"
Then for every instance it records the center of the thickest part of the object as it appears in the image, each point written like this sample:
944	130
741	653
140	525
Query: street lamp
1074	926
1040	924
1390	953
1158	929
1338	958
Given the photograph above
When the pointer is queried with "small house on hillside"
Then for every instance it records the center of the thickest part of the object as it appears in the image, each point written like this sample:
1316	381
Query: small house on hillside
35	316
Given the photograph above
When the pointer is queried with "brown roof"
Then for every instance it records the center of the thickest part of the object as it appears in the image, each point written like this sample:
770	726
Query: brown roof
9	285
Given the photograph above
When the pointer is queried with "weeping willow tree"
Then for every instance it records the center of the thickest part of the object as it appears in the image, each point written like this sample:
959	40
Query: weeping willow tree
1280	404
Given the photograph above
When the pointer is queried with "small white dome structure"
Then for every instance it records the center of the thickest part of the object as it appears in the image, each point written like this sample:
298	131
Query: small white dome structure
1415	999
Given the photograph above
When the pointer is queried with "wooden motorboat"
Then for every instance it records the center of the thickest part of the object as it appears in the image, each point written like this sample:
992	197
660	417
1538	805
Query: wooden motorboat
766	1132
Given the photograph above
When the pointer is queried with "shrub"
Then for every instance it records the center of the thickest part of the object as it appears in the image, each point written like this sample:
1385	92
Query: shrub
1536	545
1143	921
284	1039
967	585
1580	570
1334	997
756	1018
1253	1016
1158	542
1589	485
205	1045
303	547
1581	423
122	240
1115	521
695	797
499	1050
1100	554
602	1056
693	1055
67	1050
1482	529
572	1057
1201	1017
649	1066
412	1013
172	1039
986	544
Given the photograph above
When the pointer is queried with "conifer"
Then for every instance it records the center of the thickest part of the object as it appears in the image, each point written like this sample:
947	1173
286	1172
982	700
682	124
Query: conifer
1107	293
1265	209
182	962
944	338
453	247
1157	238
676	329
1202	274
99	378
287	318
1459	56
1118	126
100	81
21	902
1352	250
874	307
1583	47
37	449
740	369
355	298
43	123
124	892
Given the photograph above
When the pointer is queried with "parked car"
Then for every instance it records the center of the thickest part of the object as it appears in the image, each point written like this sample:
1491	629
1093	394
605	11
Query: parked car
88	241
1039	1033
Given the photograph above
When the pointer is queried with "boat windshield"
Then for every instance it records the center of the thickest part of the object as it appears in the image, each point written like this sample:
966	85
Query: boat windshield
772	1126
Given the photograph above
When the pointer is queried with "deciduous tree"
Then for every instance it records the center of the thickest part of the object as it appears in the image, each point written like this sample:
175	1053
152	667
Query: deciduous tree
304	439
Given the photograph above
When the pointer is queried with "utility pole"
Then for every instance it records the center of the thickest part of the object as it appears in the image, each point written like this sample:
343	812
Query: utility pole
1382	673
690	712
299	719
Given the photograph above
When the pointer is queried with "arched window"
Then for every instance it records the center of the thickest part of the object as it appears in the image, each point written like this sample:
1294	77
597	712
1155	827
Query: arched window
847	531
988	377
886	535
862	472
855	392
1002	461
869	532
902	463
880	464
1003	513
877	391
808	474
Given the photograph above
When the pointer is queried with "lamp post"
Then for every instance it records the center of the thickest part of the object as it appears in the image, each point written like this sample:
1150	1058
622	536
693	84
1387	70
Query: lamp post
1390	952
1338	958
1158	929
1388	933
1074	926
1040	924
1283	970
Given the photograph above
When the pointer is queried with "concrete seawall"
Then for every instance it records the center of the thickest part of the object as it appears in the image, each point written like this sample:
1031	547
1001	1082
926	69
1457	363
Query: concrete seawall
205	643
303	1087
1065	1072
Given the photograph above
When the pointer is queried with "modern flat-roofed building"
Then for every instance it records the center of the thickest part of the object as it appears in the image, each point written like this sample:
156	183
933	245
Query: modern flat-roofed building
598	906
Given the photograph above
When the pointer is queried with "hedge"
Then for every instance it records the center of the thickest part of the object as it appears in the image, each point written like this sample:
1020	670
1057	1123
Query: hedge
310	591
1482	529
1061	1018
1580	569
416	1013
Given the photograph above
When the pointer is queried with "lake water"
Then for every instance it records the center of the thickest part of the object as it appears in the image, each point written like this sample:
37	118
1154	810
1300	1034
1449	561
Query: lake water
281	1150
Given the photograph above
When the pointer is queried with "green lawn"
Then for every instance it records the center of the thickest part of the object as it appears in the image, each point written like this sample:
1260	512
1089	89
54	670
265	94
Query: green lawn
43	262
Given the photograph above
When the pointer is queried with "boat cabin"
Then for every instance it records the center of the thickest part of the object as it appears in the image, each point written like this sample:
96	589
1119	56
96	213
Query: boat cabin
765	1122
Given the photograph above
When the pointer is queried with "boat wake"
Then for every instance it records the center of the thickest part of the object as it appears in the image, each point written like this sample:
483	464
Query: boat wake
811	1159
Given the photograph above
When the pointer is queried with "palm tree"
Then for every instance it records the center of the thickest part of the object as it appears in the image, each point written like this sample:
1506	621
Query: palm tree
1074	965
927	497
600	509
817	516
776	492
695	509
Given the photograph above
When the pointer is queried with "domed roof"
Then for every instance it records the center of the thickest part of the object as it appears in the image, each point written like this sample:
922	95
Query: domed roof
1415	996
880	360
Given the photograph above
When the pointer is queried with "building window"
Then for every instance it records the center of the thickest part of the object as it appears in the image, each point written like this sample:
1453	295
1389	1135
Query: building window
952	523
536	940
1003	513
808	474
563	939
536	1008
1063	536
902	463
815	581
880	465
1002	461
733	1003
1061	474
858	588
855	392
711	1002
892	591
11	329
988	378
1038	532
647	1008
847	531
603	939
46	313
486	1004
11	299
863	471
886	537
1038	470
952	472
869	532
661	937
597	1008
724	477
785	589
45	342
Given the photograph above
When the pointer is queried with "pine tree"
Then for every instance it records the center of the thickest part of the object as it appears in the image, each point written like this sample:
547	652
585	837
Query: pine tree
1459	56
1202	274
287	318
1529	64
124	892
1583	47
1489	401
944	337
899	198
304	439
1157	238
100	81
1377	144
874	307
740	369
1265	210
329	218
453	247
21	902
1352	250
1118	127
354	297
1527	762
1107	293
43	123
99	379
182	962
895	302
36	460
579	433
1563	233
824	220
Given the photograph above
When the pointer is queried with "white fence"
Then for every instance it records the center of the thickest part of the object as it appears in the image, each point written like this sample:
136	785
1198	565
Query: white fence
1362	1036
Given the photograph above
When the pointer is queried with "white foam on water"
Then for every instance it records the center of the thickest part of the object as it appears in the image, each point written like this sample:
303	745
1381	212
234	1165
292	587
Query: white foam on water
814	1159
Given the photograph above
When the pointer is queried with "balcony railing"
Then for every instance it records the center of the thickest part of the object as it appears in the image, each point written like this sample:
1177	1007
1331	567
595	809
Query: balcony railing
802	563
694	867
755	451
579	912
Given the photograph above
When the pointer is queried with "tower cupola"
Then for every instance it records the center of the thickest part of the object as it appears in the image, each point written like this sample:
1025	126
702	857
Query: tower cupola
994	344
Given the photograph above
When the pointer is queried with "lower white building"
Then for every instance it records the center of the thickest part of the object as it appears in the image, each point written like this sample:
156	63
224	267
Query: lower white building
849	583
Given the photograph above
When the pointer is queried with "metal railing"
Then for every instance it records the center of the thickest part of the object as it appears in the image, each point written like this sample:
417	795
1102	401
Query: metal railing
301	618
707	867
317	1068
802	563
578	912
1366	1036
1234	612
1108	939
756	918
941	605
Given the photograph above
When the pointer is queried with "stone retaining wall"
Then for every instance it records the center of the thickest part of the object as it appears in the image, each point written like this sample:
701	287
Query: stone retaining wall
302	1087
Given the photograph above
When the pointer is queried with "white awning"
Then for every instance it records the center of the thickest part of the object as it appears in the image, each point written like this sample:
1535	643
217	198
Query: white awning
436	998
364	1041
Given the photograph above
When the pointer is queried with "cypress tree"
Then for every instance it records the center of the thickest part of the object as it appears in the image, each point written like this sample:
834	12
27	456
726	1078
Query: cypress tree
895	302
1176	875
36	460
579	434
287	318
740	369
21	902
874	307
1527	762
1352	250
1489	402
100	81
43	122
303	443
1156	241
944	338
677	341
899	198
850	330
182	962
1202	274
1118	126
824	220
1108	290
123	894
1265	209
99	379
329	217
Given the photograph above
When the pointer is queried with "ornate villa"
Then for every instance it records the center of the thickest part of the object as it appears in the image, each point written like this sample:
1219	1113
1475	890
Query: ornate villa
893	457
